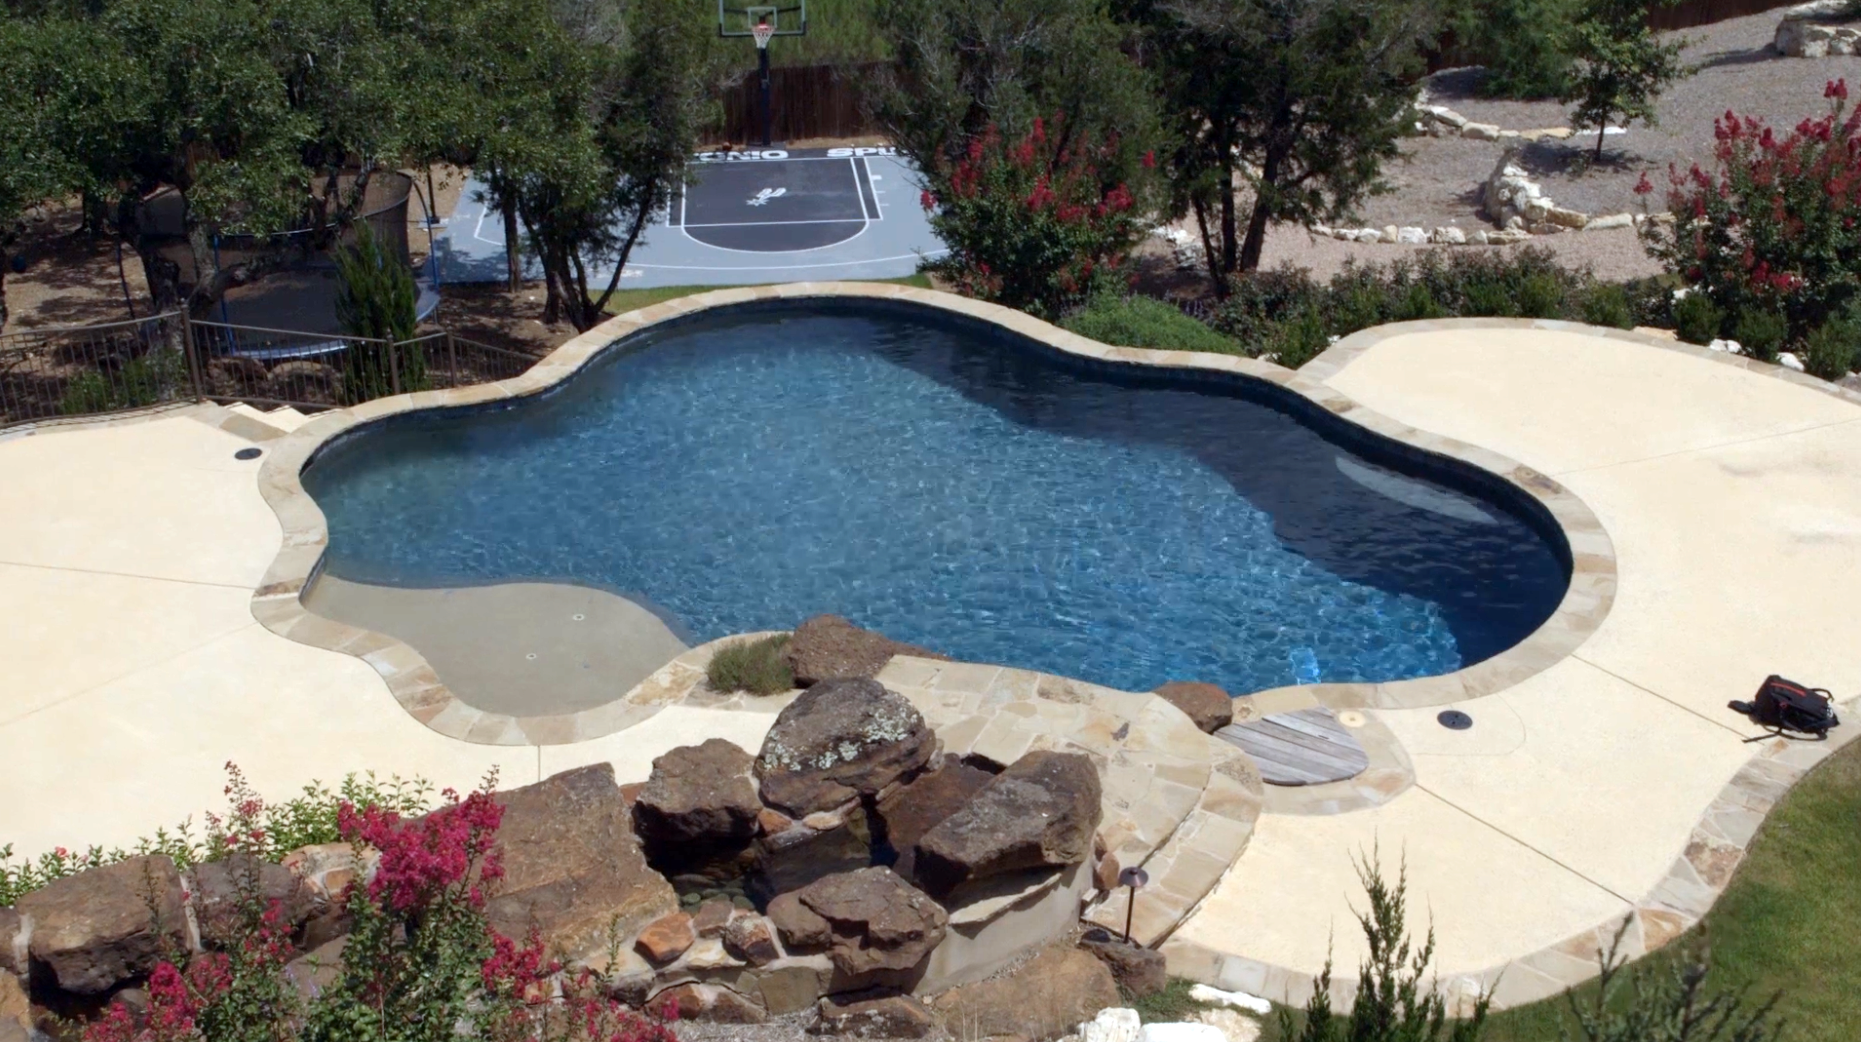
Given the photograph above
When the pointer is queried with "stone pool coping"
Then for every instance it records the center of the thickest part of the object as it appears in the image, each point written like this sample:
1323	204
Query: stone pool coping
276	602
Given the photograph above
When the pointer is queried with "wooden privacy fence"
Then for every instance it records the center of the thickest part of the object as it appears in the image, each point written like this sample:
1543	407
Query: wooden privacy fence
809	101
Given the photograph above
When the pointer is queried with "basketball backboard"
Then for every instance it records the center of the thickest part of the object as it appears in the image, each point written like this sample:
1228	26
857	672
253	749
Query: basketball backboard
736	19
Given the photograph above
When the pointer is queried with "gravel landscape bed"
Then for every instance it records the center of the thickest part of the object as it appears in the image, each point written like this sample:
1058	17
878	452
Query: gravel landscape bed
1436	181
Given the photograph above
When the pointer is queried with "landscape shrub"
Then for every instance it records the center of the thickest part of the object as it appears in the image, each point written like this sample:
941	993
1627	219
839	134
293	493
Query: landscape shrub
1133	321
155	377
1772	227
1286	312
1031	223
1259	301
1761	333
1299	340
1607	304
1832	349
249	825
1697	319
375	301
756	666
1395	1000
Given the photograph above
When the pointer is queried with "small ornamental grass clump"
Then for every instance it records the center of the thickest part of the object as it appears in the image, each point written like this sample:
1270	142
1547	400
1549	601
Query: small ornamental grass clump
1034	223
1770	233
756	666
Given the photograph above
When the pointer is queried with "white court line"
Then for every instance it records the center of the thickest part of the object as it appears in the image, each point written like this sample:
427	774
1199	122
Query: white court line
859	192
786	267
863	226
773	224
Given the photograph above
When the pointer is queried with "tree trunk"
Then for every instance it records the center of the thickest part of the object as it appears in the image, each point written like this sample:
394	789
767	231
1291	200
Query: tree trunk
1600	127
1220	283
1227	212
513	246
626	250
1256	237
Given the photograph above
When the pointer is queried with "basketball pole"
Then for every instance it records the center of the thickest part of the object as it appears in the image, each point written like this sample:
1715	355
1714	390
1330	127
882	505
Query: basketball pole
762	64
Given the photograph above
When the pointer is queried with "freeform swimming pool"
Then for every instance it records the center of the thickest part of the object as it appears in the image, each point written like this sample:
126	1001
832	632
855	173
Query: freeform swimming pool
954	485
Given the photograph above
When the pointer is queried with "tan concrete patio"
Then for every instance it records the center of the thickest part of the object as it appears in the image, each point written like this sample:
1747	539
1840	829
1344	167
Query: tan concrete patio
1733	499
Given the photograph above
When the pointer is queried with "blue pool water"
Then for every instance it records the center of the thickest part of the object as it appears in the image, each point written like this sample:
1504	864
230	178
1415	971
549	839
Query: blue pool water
957	487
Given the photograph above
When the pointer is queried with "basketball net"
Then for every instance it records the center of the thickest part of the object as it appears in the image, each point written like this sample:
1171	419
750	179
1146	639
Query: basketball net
762	32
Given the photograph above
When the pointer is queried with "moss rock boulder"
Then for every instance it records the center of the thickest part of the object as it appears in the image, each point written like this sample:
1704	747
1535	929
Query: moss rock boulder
828	647
1042	812
840	740
573	868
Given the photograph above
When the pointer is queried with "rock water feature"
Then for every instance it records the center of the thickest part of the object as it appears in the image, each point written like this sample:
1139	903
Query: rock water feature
850	855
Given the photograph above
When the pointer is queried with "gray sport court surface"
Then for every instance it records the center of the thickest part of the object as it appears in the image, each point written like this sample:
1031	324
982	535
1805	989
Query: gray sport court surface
763	215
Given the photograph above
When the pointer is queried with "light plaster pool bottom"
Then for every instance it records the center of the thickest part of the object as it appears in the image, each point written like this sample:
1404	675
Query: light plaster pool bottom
523	649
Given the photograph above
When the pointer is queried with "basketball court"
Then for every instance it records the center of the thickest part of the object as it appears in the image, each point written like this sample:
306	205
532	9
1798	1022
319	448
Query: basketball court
762	214
754	216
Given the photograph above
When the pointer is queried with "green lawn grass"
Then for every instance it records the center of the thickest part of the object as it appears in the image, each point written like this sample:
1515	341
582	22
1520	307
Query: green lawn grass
1790	920
630	299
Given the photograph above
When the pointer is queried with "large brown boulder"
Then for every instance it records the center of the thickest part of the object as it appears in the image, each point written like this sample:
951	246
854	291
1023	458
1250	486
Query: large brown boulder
101	927
1046	997
219	888
1041	812
872	1014
877	922
819	845
15	1009
828	647
699	796
1209	706
573	869
839	740
910	811
13	958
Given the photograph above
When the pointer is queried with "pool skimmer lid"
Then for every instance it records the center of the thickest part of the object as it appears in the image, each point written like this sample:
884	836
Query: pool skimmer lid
1454	720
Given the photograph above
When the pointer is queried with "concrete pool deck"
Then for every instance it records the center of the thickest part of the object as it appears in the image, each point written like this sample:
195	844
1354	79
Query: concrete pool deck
1604	778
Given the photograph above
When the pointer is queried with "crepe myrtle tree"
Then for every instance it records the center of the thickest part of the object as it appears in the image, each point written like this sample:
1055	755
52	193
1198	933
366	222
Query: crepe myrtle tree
1035	132
1287	107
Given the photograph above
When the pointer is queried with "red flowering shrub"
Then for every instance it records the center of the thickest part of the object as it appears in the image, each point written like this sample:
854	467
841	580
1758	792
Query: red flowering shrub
421	963
1773	227
1032	223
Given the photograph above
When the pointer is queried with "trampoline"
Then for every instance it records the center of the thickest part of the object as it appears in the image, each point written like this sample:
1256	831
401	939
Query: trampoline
290	311
763	215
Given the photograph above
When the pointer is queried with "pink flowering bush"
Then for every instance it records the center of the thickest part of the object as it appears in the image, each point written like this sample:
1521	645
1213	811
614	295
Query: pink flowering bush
1035	222
421	962
1772	227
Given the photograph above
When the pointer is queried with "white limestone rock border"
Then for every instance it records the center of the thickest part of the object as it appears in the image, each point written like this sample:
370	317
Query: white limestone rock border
1819	29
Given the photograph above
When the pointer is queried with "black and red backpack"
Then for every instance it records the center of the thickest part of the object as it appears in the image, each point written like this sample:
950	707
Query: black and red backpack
1785	705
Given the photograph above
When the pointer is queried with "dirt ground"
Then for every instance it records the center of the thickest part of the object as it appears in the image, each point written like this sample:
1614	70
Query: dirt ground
71	278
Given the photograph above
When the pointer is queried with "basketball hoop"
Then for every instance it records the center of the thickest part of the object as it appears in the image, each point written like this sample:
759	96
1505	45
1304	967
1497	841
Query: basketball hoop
763	32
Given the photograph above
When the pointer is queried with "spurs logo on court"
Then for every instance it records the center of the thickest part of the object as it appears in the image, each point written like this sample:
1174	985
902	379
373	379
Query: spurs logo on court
767	194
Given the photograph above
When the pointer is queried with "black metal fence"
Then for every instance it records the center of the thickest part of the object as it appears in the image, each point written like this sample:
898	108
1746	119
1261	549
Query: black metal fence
120	366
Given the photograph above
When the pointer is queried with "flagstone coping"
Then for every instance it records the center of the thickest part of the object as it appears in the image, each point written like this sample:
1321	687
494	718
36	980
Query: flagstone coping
276	603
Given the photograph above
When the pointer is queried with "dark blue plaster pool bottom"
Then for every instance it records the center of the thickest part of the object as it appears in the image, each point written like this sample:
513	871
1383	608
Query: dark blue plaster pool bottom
960	487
